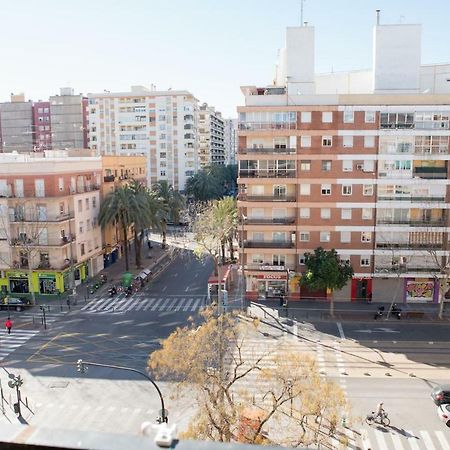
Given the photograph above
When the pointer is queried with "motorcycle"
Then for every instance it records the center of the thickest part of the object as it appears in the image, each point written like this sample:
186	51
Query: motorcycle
379	313
112	291
396	311
128	291
103	279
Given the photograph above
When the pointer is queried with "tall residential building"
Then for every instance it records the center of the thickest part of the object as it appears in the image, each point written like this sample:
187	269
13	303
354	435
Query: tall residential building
42	127
230	141
211	136
118	170
16	125
69	122
162	125
49	232
356	161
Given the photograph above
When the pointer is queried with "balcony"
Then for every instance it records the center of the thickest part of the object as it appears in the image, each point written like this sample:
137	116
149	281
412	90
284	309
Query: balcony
266	198
275	221
410	199
267	174
412	223
267	126
439	173
268	244
109	178
408	246
18	218
396	126
25	243
268	151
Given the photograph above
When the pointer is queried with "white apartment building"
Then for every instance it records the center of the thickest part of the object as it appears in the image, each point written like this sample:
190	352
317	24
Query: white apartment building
211	136
230	141
161	125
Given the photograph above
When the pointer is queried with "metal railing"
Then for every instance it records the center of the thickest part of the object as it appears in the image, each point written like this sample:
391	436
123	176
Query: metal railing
266	198
19	218
268	150
267	125
411	199
406	245
273	221
413	223
268	244
267	174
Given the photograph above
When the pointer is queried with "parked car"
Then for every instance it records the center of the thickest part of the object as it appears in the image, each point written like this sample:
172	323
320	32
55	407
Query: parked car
441	394
17	303
443	412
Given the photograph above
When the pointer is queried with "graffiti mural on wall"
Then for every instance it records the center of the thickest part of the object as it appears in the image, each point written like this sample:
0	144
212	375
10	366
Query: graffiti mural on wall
421	291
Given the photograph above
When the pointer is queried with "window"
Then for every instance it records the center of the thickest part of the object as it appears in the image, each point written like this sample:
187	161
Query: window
61	208
347	165
301	260
305	189
304	236
327	117
325	213
346	214
258	236
305	117
305	141
366	236
327	141
325	189
257	259
39	185
162	173
368	189
369	117
366	213
87	203
305	165
369	141
365	261
82	249
305	213
278	260
88	224
94	202
81	227
326	166
61	184
347	141
324	236
162	155
346	189
348	117
346	237
80	205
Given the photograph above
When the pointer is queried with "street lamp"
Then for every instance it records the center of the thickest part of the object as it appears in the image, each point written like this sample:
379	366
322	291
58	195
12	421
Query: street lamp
82	367
14	383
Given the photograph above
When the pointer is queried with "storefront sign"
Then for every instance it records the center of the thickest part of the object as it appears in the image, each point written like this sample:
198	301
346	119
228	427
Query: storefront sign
280	268
272	276
419	291
17	275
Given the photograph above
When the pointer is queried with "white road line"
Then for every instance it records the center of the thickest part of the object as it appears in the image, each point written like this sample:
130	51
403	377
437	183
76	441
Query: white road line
117	304
295	331
142	304
397	442
150	303
379	436
180	304
341	330
168	305
196	305
412	440
156	304
186	306
442	440
130	305
365	441
427	440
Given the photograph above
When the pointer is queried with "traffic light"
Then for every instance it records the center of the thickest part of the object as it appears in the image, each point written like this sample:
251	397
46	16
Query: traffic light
81	367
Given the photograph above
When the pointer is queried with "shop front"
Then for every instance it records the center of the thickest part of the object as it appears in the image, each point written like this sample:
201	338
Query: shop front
18	282
267	284
361	289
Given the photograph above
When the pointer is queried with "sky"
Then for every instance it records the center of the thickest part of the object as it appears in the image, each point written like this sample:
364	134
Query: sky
208	47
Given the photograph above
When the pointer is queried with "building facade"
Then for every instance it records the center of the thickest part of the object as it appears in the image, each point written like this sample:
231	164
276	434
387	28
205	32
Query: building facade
162	125
42	126
50	237
361	167
230	141
117	171
211	131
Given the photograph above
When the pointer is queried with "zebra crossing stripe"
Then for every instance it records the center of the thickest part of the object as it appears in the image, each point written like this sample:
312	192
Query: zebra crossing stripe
168	304
142	303
381	441
442	440
116	304
427	440
196	303
149	304
156	304
186	307
129	306
180	304
397	442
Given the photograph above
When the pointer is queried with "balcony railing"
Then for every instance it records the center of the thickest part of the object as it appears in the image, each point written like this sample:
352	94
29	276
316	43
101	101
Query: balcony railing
18	218
432	125
266	174
406	269
268	151
23	242
109	178
411	199
267	126
275	221
266	198
406	245
431	172
393	125
268	244
412	223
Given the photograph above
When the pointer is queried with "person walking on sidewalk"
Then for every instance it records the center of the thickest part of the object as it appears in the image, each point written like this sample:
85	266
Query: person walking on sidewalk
8	325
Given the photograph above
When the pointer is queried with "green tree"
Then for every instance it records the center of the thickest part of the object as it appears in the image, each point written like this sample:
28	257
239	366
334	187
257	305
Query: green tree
225	212
173	203
117	207
325	270
203	186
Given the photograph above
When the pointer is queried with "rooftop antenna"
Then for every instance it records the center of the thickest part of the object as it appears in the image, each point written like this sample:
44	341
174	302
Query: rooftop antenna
378	16
301	13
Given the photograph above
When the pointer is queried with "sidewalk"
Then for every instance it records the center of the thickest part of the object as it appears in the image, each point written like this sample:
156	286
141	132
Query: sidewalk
114	275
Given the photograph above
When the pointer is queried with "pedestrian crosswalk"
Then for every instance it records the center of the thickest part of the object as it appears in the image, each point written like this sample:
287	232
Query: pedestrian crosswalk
37	317
385	439
10	342
142	302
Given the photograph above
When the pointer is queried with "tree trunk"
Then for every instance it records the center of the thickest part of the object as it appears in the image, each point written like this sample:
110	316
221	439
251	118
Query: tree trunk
30	280
222	247
230	246
332	304
164	238
442	297
137	248
125	247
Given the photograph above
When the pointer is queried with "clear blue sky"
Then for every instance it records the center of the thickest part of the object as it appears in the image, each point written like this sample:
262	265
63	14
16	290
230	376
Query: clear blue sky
209	47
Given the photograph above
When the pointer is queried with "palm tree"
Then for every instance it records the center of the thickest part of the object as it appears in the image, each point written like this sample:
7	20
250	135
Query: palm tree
173	203
203	186
118	208
225	215
146	210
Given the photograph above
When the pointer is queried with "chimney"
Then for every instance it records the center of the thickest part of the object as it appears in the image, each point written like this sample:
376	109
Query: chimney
378	16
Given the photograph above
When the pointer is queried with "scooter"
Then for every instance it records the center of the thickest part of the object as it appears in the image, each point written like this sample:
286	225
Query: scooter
112	291
128	291
103	279
379	313
396	311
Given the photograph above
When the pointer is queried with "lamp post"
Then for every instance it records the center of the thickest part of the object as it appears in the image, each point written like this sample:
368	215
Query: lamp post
83	365
14	383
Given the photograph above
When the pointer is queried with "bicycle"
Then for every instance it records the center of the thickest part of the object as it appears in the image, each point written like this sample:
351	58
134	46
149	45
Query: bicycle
381	419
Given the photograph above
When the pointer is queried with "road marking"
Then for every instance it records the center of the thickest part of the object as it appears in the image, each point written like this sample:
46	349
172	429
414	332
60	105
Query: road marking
130	305
156	304
187	289
397	442
142	303
180	304
427	440
442	440
149	304
365	440
379	436
341	330
186	307
194	306
412	440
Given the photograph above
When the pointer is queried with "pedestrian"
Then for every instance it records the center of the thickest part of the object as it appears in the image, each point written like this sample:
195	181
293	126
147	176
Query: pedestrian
8	325
149	244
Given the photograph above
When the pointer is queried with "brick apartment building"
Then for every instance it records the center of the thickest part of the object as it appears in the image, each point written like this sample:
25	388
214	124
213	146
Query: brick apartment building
354	161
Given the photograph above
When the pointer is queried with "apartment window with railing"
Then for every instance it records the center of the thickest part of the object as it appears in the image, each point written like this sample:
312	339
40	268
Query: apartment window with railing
346	214
364	261
367	189
326	166
305	189
430	120
325	236
305	141
346	189
267	168
366	236
327	117
325	189
305	117
278	260
346	237
325	213
397	120
305	165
